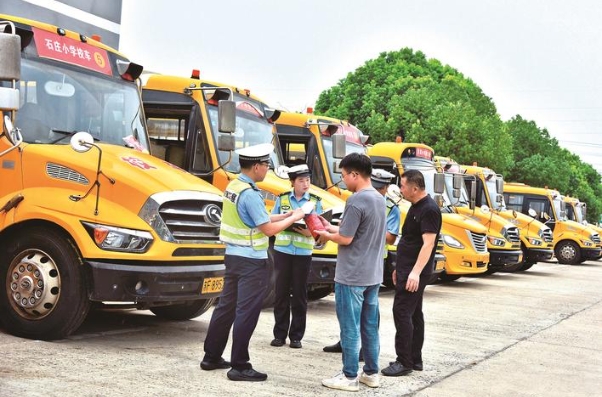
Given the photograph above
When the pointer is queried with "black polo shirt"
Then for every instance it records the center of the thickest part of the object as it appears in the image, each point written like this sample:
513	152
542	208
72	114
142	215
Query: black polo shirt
422	217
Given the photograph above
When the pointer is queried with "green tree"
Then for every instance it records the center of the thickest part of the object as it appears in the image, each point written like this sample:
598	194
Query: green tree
403	91
540	161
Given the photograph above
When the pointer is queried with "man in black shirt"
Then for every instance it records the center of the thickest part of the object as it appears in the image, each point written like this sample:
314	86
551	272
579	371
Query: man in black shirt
415	255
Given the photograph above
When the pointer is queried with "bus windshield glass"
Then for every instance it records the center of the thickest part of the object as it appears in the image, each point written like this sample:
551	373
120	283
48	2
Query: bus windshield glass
491	187
461	201
350	148
252	128
558	208
58	100
428	170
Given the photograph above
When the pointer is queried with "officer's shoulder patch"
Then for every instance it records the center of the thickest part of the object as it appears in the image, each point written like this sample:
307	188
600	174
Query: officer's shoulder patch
315	196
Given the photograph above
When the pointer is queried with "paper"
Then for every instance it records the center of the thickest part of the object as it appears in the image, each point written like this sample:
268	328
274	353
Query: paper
308	207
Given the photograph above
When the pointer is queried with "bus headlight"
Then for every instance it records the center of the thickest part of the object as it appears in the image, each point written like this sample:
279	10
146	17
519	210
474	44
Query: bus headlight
113	238
451	241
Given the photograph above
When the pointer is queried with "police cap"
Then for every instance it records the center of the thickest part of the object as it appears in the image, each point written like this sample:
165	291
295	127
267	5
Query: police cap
380	178
298	170
255	154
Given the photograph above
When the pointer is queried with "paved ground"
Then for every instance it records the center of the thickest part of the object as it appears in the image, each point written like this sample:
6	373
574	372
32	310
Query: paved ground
537	333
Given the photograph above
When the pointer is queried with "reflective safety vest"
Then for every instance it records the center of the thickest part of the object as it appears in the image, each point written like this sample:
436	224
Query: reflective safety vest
390	204
286	237
233	230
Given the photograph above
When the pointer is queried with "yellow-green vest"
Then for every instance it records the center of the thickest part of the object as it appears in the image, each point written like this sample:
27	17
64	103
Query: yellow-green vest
285	237
233	230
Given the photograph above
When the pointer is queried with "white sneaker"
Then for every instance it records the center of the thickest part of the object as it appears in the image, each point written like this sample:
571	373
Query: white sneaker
370	380
340	381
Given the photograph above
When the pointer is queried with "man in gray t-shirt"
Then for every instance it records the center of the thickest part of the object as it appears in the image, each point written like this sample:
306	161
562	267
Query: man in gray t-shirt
359	272
361	262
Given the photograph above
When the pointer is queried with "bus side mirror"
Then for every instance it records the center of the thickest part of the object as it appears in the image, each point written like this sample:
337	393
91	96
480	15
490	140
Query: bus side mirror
473	194
339	148
439	181
499	184
458	181
226	143
532	212
226	120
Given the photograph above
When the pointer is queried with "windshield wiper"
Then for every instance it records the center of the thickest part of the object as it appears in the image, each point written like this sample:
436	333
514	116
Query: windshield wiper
66	134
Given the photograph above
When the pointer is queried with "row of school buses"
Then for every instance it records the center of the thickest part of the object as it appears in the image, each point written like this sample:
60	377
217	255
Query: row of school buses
111	187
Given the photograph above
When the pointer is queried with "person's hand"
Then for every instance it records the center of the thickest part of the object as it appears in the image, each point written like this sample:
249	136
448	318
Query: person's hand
394	277
325	223
303	230
297	214
413	282
324	236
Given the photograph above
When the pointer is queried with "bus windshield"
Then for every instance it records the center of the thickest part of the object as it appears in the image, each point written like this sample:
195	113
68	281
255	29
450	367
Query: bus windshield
57	100
559	208
461	201
350	148
428	170
491	187
252	128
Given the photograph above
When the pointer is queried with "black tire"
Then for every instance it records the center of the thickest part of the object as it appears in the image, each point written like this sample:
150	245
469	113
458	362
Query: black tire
270	294
526	266
183	311
319	293
567	252
45	293
446	278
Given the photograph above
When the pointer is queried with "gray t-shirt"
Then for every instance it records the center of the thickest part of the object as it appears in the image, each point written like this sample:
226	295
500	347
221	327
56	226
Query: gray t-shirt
361	262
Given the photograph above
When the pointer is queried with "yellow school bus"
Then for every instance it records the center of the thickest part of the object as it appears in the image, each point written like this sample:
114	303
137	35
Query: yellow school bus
573	242
182	115
86	214
576	210
534	239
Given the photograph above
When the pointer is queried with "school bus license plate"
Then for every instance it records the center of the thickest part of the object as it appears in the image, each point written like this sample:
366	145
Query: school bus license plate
212	284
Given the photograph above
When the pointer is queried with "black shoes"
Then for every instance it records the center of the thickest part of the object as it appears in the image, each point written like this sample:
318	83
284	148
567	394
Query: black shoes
415	367
211	365
295	344
277	342
395	368
336	348
247	375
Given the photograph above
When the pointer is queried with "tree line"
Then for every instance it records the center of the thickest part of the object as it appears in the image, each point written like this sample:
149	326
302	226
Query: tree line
404	93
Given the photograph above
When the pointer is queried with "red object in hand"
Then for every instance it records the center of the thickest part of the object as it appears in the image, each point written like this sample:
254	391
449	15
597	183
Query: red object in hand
314	223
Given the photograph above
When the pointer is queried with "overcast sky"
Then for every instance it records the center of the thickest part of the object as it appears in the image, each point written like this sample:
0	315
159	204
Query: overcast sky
539	59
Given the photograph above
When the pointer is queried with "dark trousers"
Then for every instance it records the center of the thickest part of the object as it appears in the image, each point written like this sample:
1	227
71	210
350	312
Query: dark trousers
409	322
245	284
290	295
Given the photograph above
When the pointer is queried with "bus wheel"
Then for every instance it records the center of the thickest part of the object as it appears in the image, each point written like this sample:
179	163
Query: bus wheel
567	252
45	288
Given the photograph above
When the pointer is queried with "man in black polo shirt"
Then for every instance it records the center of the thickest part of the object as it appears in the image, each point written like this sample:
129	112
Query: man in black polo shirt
415	255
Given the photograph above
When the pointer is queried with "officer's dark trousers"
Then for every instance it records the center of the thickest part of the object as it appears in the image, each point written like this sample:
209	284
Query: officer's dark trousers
409	322
290	295
238	308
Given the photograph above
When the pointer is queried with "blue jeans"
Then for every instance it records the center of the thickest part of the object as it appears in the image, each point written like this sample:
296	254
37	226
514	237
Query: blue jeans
357	312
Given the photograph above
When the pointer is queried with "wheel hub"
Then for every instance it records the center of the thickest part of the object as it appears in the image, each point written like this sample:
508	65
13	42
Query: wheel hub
33	284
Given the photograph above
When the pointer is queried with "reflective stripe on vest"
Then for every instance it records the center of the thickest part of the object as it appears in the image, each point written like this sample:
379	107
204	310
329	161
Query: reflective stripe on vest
285	237
233	230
